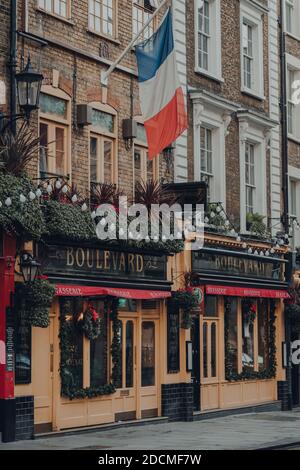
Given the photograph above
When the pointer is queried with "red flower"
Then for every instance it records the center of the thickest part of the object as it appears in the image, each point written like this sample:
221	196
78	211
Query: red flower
253	308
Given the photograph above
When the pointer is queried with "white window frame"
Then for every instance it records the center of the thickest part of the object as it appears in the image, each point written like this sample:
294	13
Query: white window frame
251	16
255	135
50	6
293	64
139	7
216	118
92	14
294	175
294	28
214	69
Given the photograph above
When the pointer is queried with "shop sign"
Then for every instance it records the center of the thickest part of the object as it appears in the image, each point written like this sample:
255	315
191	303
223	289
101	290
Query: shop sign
237	265
92	262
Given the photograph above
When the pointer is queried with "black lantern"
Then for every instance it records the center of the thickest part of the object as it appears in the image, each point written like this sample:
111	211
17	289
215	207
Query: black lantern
29	85
29	267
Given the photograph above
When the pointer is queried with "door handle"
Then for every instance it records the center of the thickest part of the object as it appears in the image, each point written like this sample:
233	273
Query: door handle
51	363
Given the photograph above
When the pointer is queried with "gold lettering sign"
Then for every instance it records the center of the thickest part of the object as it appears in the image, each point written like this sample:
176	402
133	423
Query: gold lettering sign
104	260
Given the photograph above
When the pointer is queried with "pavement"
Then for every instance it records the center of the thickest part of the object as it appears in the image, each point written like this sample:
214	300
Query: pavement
236	432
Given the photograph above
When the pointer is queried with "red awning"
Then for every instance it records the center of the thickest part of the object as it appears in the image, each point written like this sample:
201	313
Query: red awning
63	290
246	292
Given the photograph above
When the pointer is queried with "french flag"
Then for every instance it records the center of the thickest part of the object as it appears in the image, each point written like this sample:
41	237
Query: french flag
161	96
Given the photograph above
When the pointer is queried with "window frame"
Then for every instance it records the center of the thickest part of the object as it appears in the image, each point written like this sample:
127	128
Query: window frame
206	175
253	17
114	35
55	121
52	12
254	133
143	147
293	66
136	5
214	52
101	135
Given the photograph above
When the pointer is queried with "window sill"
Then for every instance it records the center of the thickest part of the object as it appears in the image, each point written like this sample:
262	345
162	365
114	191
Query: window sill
57	17
293	138
104	36
253	94
207	74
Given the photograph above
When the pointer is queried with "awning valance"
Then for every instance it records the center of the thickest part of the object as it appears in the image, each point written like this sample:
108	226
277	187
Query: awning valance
64	290
246	292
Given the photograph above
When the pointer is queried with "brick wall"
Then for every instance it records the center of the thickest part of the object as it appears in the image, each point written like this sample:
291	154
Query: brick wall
76	54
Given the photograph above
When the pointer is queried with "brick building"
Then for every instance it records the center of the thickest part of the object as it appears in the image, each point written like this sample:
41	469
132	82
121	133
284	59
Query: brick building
233	78
228	61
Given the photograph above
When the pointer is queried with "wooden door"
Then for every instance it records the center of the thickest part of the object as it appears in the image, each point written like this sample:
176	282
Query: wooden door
42	376
149	373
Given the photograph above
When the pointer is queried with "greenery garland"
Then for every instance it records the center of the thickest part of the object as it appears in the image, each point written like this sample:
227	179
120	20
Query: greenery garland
38	296
69	388
267	373
188	302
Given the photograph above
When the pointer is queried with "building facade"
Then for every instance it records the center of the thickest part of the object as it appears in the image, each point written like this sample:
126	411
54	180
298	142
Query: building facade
234	145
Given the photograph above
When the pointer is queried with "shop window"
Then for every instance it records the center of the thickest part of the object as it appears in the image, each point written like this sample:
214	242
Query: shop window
127	305
205	352
129	353
263	334
73	367
231	330
102	147
119	381
54	132
22	343
213	349
211	306
141	13
98	352
57	7
173	337
148	354
247	338
102	17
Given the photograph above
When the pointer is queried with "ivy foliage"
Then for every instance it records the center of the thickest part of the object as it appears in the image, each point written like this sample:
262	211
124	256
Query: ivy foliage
188	301
267	373
68	222
20	219
37	297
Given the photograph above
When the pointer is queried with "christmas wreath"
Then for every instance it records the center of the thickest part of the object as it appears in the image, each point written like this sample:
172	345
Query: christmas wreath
89	323
249	310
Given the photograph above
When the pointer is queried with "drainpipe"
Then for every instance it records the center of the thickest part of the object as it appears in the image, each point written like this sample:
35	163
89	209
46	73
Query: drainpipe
13	63
285	175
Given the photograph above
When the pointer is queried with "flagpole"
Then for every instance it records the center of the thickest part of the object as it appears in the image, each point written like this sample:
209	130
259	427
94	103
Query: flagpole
105	74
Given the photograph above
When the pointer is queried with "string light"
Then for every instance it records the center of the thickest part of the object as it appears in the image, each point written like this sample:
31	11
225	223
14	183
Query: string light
22	198
84	207
74	198
58	184
8	202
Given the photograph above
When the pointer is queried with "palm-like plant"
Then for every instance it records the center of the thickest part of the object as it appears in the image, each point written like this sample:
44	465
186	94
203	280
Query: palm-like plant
152	192
104	193
16	151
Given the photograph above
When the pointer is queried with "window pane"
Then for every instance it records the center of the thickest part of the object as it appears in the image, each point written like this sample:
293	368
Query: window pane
43	148
248	337
293	197
119	381
98	351
73	367
129	354
205	370
263	334
22	342
213	349
232	335
148	354
60	150
103	120
93	159
211	306
108	154
52	105
141	133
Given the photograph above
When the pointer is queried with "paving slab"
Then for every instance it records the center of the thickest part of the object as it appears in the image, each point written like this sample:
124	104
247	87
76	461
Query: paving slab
237	432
